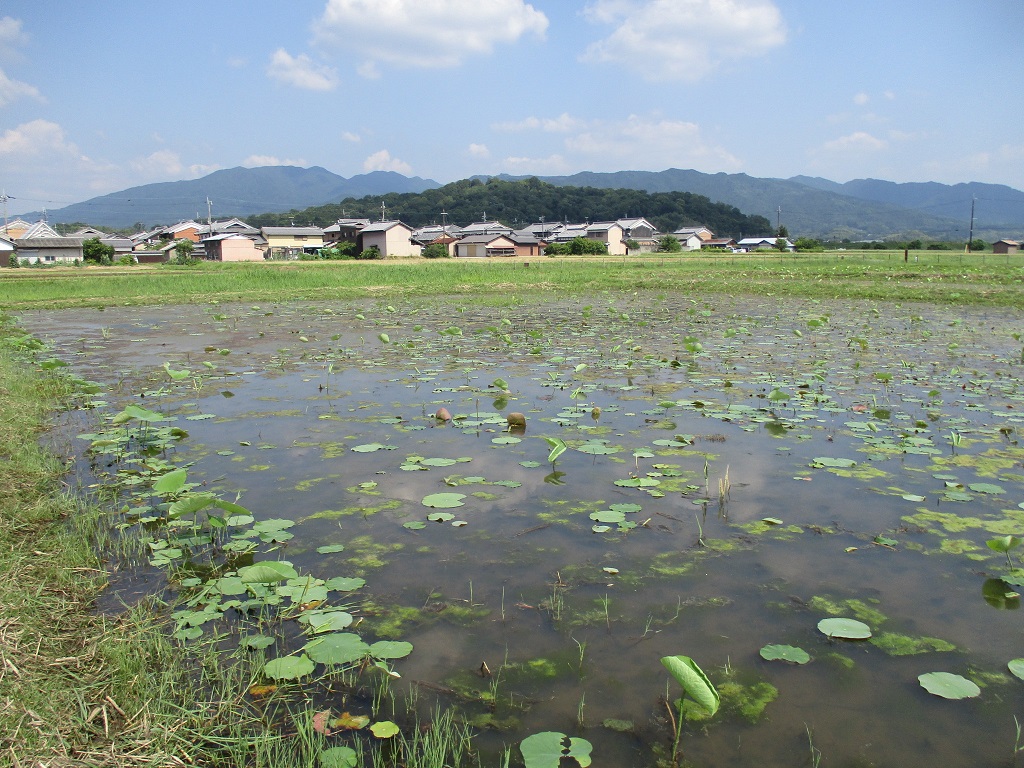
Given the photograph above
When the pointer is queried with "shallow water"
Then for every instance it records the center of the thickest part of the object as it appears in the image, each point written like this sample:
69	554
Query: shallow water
729	410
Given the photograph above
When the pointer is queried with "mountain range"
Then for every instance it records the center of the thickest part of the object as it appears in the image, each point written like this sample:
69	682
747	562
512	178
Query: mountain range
863	209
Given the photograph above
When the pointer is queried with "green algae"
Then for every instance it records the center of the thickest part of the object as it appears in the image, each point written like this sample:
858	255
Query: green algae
783	532
896	644
364	511
745	699
366	554
853	606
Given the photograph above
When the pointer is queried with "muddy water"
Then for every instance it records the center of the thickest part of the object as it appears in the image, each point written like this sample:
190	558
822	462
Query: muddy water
882	442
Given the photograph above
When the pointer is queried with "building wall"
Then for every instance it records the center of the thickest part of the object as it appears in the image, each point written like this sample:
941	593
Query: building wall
239	249
397	243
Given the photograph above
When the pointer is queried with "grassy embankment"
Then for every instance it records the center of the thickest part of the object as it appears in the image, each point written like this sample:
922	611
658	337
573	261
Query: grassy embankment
77	688
943	277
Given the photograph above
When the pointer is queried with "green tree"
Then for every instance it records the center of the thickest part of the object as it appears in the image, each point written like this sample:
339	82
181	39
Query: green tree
805	244
781	245
978	245
95	252
782	232
914	245
183	251
632	245
669	244
580	246
373	252
435	251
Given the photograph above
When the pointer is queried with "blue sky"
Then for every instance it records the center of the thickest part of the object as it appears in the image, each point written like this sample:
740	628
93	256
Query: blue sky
99	96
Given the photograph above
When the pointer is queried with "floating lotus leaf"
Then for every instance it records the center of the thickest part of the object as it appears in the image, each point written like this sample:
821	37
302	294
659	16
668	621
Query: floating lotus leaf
598	449
948	686
1017	668
267	572
320	622
339	757
443	500
846	629
825	461
546	750
337	648
390	649
385	729
608	516
785	653
330	548
344	584
289	667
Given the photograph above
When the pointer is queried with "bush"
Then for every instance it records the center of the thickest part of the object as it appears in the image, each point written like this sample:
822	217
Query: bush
96	252
669	244
373	252
436	251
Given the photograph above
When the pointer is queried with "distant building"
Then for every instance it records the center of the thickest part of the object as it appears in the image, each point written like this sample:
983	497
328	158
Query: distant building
391	238
1005	246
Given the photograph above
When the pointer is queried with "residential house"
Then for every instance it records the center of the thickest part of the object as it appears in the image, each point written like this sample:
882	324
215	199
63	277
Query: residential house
183	230
641	231
344	231
50	250
527	243
392	238
703	233
611	234
6	251
688	239
485	228
289	242
1005	246
122	245
228	227
496	244
762	244
12	230
719	244
232	246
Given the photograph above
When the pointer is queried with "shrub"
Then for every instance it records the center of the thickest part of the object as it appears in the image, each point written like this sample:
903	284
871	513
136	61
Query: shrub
436	251
373	252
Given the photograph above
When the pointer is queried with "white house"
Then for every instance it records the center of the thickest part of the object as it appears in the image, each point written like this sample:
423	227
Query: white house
392	238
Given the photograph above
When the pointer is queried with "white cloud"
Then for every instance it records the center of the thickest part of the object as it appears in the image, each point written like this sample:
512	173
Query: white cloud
479	150
11	34
383	161
163	162
683	39
301	72
861	99
561	124
426	33
10	90
257	161
858	141
36	138
650	143
544	166
355	138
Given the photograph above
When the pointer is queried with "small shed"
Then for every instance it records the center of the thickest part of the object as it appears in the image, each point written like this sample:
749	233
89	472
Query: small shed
1005	247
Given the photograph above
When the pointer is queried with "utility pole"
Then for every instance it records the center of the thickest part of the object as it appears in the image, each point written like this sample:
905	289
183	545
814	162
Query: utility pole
5	197
209	215
970	236
383	209
778	219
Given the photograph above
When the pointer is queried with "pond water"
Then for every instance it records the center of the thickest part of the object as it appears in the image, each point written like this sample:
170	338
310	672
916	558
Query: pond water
736	470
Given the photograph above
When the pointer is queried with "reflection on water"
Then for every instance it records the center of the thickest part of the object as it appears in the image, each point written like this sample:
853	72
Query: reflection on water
881	441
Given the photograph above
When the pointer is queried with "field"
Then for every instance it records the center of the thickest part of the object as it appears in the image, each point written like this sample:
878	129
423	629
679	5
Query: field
717	459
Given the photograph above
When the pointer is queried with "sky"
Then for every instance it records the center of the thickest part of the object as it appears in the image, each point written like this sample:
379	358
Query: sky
99	96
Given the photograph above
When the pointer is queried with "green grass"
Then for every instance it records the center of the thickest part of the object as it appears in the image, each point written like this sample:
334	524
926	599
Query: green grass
932	276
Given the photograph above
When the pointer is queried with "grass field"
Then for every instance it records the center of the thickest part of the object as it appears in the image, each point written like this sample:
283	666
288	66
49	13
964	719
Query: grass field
936	276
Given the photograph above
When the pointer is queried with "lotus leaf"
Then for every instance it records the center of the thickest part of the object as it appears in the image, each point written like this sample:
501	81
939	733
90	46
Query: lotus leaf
785	653
337	648
948	686
289	667
846	629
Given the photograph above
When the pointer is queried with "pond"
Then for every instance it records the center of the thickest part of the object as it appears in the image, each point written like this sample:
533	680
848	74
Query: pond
698	476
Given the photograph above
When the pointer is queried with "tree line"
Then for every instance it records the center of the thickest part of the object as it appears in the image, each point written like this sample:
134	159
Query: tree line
521	203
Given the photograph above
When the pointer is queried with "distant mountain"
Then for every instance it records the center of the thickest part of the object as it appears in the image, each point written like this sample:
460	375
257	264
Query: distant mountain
995	204
821	208
233	192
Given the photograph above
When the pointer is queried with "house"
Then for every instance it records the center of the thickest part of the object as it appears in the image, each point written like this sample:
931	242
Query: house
641	231
703	233
122	245
289	242
12	230
1005	246
50	250
527	243
719	244
486	228
40	244
183	230
232	246
611	234
6	251
228	227
688	239
763	244
344	231
496	244
391	238
435	233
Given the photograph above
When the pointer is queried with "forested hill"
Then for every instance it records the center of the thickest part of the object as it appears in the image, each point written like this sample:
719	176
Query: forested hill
520	203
